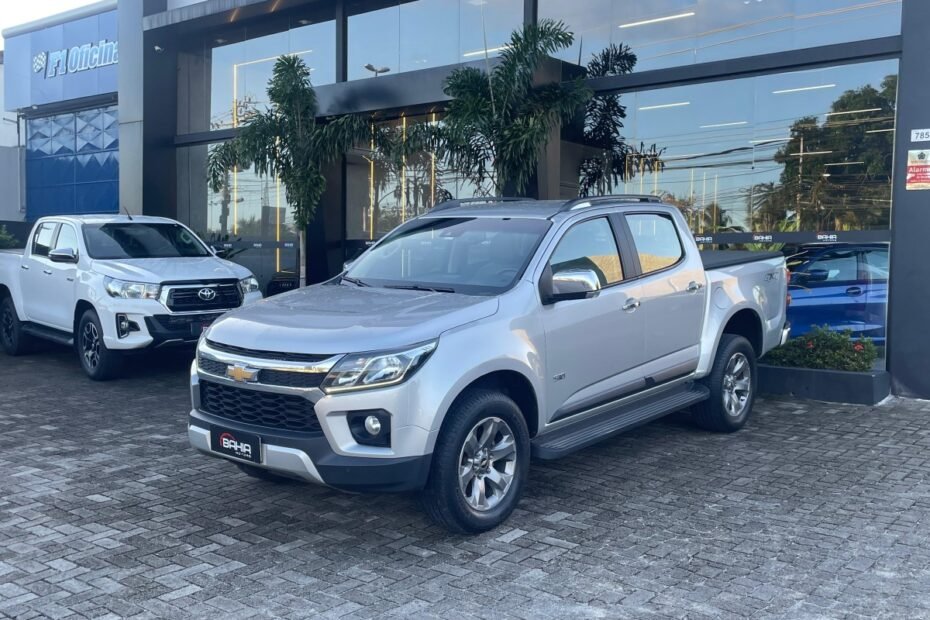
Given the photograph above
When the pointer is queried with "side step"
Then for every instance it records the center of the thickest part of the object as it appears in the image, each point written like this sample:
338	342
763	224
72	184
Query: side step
49	333
616	420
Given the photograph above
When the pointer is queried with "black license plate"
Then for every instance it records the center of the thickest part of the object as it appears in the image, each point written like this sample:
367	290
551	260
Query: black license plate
245	446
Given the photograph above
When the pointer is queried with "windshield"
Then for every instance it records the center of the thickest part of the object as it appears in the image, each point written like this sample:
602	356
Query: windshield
138	240
475	256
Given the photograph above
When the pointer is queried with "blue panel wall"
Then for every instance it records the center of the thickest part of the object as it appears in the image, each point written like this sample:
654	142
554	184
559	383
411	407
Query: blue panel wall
72	163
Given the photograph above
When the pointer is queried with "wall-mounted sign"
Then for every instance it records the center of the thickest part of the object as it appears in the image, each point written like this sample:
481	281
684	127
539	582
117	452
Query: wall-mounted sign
920	135
918	170
78	58
73	60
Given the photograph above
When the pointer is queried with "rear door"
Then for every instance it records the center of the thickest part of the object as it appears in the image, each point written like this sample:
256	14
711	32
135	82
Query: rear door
673	296
828	291
594	346
36	270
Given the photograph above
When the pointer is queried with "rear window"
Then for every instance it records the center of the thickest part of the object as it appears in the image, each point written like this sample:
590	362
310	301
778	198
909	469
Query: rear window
42	242
656	240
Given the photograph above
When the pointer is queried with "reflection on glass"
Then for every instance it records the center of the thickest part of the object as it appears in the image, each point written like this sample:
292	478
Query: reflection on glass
240	71
406	36
802	151
667	33
384	192
249	218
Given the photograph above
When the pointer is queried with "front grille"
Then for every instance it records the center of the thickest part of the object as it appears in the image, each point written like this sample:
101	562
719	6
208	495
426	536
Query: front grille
188	299
280	411
268	355
281	378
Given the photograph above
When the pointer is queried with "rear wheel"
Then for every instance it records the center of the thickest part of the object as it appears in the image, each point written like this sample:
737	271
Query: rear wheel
480	464
12	338
99	362
732	383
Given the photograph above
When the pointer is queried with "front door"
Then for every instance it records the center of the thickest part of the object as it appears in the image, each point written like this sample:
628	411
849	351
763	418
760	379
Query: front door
594	346
36	272
60	283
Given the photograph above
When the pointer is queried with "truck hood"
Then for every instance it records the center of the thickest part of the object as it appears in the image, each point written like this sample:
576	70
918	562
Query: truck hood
330	319
178	269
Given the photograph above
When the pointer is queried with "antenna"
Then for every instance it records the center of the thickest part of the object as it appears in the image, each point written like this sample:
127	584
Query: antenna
126	211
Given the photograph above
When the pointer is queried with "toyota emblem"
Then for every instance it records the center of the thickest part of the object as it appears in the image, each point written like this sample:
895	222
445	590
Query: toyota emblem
206	294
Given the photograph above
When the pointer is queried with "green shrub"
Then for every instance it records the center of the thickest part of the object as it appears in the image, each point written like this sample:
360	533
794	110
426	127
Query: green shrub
6	239
826	349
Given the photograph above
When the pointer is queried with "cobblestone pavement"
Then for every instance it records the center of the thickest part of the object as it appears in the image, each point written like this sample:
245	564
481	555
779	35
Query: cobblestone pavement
812	511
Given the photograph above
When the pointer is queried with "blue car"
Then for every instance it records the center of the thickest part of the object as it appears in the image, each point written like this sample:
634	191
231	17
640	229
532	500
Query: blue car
843	286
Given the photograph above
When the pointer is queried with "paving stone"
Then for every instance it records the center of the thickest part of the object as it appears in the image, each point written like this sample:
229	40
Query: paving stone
814	510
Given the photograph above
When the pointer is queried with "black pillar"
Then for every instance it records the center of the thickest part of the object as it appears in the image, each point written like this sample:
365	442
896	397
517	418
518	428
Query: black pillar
908	301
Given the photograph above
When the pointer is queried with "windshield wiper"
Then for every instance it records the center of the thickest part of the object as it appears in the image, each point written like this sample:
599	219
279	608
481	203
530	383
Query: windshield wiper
418	287
354	281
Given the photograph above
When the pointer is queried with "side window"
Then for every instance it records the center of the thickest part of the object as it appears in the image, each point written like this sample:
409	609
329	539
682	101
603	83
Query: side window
656	240
67	238
875	264
834	267
42	242
589	245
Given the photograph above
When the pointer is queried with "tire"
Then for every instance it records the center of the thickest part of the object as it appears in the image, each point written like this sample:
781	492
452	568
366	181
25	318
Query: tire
262	474
732	382
99	362
12	339
481	499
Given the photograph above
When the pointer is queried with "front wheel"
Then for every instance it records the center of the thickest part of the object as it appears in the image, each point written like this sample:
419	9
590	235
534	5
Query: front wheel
99	362
732	382
480	464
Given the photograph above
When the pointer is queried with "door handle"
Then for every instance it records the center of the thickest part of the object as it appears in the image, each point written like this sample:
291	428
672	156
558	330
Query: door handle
694	287
631	305
853	291
24	267
47	272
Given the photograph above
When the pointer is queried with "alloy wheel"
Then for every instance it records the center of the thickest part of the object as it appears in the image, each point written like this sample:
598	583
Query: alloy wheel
90	344
737	385
487	464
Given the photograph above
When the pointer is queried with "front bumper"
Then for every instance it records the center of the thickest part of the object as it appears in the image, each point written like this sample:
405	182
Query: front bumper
308	457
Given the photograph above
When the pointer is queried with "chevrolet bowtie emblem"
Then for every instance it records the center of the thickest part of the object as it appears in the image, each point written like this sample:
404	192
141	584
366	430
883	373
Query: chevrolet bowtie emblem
242	374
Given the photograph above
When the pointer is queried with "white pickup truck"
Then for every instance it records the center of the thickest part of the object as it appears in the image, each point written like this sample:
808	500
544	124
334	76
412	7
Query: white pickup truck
478	334
109	284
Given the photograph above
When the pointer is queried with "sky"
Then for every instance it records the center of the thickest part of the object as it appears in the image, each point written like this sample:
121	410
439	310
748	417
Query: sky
16	12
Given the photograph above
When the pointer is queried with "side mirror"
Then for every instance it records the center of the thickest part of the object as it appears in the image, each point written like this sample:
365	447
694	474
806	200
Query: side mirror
571	284
63	255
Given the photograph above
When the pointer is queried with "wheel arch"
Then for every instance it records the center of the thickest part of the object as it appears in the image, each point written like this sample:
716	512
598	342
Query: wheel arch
515	385
80	308
745	322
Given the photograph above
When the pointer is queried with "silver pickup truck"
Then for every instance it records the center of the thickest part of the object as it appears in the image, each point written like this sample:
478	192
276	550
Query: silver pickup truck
482	334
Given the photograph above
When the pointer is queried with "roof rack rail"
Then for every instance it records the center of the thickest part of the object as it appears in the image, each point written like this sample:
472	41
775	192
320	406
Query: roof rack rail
579	203
458	202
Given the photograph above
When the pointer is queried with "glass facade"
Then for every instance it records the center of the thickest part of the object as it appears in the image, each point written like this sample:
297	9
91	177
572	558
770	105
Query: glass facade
406	36
249	219
668	33
72	163
240	70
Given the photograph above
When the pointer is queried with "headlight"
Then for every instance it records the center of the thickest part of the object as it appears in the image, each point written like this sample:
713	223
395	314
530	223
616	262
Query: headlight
131	290
373	370
248	285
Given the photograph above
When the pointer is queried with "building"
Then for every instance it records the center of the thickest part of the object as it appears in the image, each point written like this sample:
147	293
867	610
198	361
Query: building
776	121
12	206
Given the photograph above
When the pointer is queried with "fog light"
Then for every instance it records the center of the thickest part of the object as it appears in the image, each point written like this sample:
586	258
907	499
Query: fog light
372	425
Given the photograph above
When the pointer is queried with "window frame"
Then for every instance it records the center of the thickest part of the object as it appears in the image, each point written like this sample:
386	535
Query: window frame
618	242
632	241
77	238
35	239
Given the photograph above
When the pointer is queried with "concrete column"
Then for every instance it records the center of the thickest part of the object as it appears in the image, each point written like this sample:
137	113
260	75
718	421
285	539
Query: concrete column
130	71
908	301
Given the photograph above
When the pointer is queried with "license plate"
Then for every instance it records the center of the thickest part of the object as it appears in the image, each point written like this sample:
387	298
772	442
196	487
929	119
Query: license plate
245	446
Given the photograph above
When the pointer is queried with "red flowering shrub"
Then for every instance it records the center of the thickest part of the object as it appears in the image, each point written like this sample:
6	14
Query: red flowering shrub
827	349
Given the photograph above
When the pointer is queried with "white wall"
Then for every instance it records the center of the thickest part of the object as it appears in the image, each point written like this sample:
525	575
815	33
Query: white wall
11	167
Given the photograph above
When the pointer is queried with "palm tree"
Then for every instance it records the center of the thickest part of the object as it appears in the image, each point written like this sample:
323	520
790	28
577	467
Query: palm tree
615	160
498	120
289	142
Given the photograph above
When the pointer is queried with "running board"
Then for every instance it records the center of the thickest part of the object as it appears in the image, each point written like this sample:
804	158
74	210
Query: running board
48	333
614	421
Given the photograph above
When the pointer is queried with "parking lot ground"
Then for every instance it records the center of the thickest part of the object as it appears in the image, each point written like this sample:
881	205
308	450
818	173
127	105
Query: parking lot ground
814	510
